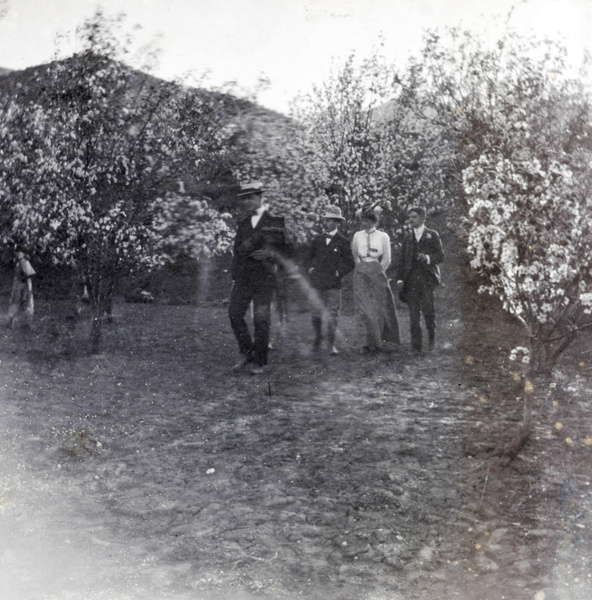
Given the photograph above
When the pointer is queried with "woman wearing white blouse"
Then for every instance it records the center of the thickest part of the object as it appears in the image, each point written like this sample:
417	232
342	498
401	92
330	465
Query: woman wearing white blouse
373	298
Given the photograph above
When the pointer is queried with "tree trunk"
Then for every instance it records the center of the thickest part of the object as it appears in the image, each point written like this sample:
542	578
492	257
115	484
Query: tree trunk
101	301
96	334
509	452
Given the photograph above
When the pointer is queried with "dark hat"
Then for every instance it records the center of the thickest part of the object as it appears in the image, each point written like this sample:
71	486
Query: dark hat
250	189
369	214
335	189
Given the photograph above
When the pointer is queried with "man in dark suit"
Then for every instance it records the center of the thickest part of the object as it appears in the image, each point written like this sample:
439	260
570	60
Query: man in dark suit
329	260
258	246
418	276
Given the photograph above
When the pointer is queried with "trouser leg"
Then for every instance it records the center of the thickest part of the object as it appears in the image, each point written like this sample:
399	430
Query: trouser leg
262	324
429	314
317	308
317	326
332	308
414	321
240	298
331	329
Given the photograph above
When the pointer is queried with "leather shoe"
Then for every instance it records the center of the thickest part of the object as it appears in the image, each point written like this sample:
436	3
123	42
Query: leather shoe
369	349
241	364
388	347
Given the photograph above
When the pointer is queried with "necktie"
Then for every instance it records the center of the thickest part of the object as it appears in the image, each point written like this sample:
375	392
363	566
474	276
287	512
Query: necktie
371	251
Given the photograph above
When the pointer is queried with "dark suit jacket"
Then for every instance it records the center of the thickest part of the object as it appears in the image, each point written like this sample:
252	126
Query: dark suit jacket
331	261
429	244
269	233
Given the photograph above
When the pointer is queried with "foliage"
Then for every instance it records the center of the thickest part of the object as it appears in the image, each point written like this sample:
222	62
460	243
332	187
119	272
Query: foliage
338	118
86	164
523	148
355	143
287	167
191	224
497	136
530	237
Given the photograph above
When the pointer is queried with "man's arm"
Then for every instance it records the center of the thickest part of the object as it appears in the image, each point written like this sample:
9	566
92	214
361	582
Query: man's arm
310	255
347	258
401	265
436	252
354	248
432	252
385	261
272	239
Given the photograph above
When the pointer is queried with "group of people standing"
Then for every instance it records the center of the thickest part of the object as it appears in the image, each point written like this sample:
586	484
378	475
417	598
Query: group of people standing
260	249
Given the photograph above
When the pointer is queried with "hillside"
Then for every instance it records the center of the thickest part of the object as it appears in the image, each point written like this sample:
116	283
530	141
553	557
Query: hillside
55	83
36	82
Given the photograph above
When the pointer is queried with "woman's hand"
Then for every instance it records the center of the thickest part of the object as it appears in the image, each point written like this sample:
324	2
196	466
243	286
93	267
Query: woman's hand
262	254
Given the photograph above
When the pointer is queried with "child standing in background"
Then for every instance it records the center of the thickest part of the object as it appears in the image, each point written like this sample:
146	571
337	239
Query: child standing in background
21	297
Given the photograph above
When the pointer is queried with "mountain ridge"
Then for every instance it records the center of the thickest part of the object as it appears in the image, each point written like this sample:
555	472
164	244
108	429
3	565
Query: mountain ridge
254	124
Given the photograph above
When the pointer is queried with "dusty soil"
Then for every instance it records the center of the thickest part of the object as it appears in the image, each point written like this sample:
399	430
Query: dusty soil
347	477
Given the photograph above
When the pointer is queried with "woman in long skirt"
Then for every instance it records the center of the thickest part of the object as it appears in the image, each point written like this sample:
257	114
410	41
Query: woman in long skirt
373	298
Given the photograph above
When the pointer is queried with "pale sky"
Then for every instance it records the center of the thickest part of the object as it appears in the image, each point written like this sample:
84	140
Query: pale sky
294	43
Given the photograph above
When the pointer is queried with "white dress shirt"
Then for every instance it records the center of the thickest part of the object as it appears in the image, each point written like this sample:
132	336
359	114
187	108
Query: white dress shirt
255	218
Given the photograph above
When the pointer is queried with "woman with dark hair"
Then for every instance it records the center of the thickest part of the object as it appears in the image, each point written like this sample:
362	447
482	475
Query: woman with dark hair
373	298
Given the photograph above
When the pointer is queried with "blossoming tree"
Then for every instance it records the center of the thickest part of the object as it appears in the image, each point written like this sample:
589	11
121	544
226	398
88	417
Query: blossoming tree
530	237
355	136
87	156
523	147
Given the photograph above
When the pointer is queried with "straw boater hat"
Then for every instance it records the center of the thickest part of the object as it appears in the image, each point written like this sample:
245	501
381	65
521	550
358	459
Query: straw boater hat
250	189
333	212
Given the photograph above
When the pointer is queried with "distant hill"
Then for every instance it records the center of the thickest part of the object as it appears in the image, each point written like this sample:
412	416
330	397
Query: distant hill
252	123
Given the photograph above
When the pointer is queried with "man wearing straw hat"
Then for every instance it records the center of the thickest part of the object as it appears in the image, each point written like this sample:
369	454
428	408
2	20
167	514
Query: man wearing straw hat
329	260
258	245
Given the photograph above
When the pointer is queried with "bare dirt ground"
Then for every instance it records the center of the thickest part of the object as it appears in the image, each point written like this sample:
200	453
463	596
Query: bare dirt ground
157	473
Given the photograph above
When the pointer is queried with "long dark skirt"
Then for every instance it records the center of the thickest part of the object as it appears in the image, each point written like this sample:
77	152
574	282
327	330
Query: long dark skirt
21	299
375	306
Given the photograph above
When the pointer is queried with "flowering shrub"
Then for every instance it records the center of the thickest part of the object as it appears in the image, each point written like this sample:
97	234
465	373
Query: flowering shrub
526	196
520	354
191	225
529	234
85	164
355	135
